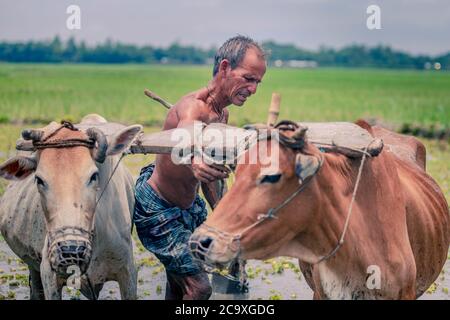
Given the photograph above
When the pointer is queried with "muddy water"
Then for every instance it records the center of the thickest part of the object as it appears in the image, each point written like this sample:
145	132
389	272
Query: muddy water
273	279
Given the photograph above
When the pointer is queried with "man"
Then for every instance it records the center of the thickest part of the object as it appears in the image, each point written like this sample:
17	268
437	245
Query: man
168	207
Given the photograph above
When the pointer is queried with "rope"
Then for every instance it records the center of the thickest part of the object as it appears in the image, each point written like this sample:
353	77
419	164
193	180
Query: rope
318	143
271	213
64	124
66	143
107	183
349	211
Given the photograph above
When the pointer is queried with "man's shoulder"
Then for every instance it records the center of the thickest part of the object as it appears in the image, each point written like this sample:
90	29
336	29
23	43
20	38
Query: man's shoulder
192	106
191	100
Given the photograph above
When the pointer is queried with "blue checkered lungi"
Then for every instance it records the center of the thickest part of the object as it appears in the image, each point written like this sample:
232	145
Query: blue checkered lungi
165	229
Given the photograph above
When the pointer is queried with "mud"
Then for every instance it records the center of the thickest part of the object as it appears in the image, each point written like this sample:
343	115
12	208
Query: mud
278	278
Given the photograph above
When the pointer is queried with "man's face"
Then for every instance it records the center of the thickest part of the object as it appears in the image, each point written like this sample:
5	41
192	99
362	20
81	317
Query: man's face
244	79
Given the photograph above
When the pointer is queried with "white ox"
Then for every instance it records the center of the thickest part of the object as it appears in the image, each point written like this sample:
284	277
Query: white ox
49	217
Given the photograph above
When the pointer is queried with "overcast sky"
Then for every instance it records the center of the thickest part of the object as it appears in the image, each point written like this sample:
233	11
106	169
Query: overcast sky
416	26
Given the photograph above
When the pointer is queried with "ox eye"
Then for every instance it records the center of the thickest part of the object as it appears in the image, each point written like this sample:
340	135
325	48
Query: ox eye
94	178
271	178
39	181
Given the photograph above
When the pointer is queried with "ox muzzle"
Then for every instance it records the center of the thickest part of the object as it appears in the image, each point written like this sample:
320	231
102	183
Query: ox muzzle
214	248
69	246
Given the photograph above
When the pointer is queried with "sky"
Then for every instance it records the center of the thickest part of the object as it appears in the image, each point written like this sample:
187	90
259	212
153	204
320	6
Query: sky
414	26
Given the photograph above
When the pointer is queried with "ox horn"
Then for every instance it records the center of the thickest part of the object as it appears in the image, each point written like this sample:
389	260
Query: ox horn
102	145
32	134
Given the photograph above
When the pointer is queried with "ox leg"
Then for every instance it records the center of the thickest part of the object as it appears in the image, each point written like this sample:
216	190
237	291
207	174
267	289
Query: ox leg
307	271
52	285
36	288
127	279
91	291
317	296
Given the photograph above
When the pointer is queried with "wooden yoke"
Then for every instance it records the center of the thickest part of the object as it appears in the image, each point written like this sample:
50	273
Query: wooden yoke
274	109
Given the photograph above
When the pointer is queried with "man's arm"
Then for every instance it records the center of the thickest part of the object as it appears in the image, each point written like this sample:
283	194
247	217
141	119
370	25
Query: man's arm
203	172
214	191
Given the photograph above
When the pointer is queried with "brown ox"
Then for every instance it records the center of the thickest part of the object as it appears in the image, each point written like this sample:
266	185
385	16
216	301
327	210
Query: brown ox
399	226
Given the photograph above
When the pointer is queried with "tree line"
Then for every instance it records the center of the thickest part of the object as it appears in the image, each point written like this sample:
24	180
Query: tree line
70	51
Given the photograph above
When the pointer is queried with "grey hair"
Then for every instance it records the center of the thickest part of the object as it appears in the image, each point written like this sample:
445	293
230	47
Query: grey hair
234	50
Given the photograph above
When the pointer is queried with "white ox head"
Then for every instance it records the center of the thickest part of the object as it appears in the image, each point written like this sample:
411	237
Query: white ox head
66	174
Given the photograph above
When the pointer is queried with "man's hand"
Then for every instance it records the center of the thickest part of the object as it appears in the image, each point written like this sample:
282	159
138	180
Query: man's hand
208	172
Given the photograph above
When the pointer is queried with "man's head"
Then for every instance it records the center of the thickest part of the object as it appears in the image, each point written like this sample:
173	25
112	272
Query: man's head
239	65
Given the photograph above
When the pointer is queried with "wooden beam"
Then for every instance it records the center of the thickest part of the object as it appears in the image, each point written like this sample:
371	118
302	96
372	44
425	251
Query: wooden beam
274	109
224	141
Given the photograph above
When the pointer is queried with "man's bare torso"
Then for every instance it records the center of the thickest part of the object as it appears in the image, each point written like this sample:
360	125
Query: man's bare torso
176	183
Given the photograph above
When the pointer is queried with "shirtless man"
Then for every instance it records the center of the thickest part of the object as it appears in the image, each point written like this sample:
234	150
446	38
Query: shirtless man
168	207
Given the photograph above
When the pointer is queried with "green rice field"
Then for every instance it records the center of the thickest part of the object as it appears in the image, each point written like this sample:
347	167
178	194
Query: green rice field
32	95
48	92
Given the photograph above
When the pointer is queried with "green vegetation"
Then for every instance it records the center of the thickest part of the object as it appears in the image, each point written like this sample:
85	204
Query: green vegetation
276	295
40	93
32	95
70	51
158	289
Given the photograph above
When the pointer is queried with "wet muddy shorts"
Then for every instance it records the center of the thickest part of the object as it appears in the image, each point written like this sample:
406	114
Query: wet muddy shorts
164	229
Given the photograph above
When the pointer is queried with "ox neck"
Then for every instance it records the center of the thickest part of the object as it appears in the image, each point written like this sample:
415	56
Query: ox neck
333	213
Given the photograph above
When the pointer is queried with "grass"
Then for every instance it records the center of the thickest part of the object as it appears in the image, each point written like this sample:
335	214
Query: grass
48	92
32	93
438	164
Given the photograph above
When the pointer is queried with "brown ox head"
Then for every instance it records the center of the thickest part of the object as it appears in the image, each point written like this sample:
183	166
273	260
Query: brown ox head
261	212
68	171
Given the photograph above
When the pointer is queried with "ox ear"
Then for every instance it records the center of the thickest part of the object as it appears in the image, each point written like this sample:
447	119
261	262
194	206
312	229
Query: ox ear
306	166
121	141
18	168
